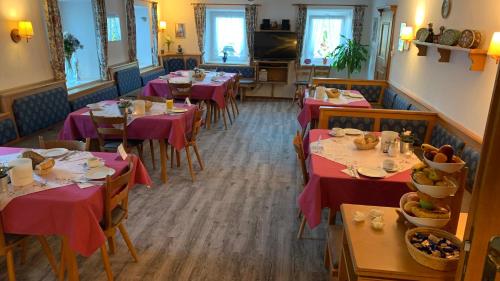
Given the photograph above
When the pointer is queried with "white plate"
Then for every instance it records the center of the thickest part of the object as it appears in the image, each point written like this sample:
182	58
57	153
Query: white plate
355	95
372	172
337	132
54	152
179	110
353	132
99	173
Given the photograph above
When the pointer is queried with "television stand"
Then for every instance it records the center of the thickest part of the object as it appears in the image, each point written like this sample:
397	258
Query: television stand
277	72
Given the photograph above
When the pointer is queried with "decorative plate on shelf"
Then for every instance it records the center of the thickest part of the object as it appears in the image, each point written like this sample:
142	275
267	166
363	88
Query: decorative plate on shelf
469	39
446	8
449	37
424	34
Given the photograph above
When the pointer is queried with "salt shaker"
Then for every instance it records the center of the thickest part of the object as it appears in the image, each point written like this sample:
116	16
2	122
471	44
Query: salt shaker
393	148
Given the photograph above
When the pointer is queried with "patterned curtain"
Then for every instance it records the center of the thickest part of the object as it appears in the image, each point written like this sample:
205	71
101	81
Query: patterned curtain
357	24
154	22
132	48
101	34
56	39
301	27
200	13
251	24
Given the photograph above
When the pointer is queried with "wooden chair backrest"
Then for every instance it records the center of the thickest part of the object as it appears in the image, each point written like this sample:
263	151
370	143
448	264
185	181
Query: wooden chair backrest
70	145
116	193
197	123
321	71
151	98
181	90
326	112
230	87
301	93
2	239
303	73
298	144
110	128
236	86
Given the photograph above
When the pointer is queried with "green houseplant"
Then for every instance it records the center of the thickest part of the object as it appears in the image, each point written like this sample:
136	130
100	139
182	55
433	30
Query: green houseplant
349	54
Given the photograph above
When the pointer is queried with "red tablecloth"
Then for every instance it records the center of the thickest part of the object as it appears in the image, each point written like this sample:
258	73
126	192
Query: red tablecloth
170	127
203	90
329	187
69	211
311	108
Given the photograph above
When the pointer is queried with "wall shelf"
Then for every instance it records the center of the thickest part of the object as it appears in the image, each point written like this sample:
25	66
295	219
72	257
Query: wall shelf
477	56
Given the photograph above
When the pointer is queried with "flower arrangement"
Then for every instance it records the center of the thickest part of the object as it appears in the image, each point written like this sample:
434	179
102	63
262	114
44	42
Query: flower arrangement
123	103
4	170
349	54
407	136
168	42
71	45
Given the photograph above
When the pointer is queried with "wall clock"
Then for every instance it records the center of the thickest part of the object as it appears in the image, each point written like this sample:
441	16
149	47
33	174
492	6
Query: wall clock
445	8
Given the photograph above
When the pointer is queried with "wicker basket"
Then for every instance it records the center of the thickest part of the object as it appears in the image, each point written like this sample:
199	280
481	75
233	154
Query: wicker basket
365	146
148	105
427	260
200	77
333	93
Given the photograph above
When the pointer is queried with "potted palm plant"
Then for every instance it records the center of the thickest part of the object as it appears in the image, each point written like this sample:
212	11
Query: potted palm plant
349	55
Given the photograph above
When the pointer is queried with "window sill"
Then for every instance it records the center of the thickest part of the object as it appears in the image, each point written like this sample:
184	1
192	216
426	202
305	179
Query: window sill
150	68
84	89
226	63
81	87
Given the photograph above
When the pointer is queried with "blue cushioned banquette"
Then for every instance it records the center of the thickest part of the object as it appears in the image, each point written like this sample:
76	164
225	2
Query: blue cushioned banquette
388	100
191	63
175	64
370	92
417	127
441	136
247	72
7	131
414	108
128	80
400	103
364	124
146	77
109	93
41	110
471	157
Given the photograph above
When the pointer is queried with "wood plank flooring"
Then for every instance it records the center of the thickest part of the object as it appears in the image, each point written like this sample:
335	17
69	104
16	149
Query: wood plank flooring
236	222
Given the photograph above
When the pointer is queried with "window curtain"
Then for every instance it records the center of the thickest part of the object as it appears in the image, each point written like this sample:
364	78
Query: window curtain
154	22
301	27
132	48
200	14
56	39
101	34
251	26
357	23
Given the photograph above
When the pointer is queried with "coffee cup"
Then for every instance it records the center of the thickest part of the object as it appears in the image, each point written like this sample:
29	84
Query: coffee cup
94	162
389	165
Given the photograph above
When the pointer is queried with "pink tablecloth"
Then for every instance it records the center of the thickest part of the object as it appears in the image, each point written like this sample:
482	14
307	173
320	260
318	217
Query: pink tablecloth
69	211
204	90
311	108
329	187
170	127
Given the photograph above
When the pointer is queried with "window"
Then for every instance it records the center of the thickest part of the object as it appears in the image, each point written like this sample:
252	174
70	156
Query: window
225	31
143	35
114	30
324	28
82	65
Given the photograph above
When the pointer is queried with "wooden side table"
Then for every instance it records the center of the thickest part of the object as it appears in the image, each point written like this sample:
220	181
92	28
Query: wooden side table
370	255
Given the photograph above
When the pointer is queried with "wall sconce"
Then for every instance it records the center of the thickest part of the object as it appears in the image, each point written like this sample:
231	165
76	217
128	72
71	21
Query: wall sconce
494	49
24	30
163	26
407	36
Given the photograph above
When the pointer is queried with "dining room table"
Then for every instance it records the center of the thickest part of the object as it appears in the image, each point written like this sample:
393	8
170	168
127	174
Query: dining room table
64	202
155	124
334	166
310	111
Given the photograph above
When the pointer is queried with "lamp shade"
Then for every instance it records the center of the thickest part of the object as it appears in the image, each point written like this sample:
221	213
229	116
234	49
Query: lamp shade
25	29
494	49
407	33
163	25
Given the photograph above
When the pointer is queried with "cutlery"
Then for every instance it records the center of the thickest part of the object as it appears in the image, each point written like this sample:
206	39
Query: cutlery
67	155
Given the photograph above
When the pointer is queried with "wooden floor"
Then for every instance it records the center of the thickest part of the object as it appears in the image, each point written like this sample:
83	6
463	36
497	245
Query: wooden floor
236	222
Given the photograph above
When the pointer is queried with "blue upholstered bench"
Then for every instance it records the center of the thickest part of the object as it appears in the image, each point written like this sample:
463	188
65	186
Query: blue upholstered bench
174	64
363	124
370	92
151	75
191	63
401	103
417	127
128	81
440	136
471	157
41	110
246	72
7	131
109	93
388	100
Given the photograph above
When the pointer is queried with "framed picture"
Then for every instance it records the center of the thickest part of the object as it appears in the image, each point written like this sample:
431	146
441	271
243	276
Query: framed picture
180	30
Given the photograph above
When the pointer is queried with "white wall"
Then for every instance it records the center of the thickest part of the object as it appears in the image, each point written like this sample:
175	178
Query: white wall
452	89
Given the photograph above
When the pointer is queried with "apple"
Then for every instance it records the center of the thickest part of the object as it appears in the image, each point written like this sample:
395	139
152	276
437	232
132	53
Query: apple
448	151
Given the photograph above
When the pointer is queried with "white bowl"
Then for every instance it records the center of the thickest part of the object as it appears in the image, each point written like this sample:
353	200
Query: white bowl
426	222
449	168
437	191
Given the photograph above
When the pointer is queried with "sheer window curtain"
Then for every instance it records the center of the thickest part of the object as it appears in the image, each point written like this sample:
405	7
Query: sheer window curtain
101	34
55	36
131	32
154	29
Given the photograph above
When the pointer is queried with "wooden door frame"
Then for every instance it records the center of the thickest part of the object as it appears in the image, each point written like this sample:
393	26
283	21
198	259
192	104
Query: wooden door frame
394	9
485	205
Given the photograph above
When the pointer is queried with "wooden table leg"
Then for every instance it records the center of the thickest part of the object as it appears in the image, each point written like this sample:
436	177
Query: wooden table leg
208	118
70	260
163	160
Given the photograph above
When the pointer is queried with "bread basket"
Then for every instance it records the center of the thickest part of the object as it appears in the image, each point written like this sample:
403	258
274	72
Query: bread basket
437	263
148	105
362	144
333	93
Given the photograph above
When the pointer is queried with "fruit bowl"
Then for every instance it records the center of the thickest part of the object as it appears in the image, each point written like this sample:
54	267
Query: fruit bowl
437	191
425	222
449	168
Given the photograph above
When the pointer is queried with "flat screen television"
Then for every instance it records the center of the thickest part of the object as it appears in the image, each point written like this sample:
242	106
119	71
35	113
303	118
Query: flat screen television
275	45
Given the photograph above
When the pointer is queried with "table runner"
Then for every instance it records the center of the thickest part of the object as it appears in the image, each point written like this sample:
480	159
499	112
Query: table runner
69	211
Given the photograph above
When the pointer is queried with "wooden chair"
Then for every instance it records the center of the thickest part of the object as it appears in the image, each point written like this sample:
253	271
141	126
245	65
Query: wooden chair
321	71
299	150
300	95
70	145
217	111
8	242
181	91
191	142
110	129
302	78
234	93
115	212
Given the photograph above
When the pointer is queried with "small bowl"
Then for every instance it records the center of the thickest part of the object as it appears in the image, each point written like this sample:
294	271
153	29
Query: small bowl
148	105
437	191
424	222
449	168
